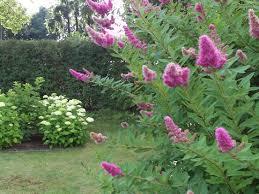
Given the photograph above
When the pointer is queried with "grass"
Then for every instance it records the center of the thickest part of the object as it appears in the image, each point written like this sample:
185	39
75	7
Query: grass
60	171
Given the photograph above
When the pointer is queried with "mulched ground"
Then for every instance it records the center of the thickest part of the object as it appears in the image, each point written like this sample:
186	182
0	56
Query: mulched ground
35	143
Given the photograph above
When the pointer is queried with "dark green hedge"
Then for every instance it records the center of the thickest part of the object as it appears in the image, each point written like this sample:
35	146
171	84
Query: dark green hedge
24	60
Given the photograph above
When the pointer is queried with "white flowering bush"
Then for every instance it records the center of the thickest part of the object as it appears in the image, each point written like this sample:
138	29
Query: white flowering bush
10	132
64	122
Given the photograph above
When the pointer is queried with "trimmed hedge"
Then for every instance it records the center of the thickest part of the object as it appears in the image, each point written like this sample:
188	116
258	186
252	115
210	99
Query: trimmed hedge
23	61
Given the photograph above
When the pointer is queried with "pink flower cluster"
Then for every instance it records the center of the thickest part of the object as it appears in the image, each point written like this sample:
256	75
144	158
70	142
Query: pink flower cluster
148	74
98	137
101	8
147	113
127	76
190	52
224	141
121	44
85	77
241	56
104	22
103	39
145	106
209	55
175	75
253	24
112	169
132	38
199	8
164	2
174	132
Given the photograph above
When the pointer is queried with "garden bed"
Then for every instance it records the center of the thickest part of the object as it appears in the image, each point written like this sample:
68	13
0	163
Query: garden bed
35	143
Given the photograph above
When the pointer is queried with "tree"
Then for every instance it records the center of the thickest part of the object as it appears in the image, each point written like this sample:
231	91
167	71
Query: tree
12	16
68	16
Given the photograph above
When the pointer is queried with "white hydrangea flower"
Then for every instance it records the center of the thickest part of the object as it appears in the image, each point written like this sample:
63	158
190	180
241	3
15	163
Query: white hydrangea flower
67	123
11	125
59	129
2	104
13	107
72	117
45	123
84	123
69	114
57	126
57	113
70	108
81	114
89	119
45	96
41	117
81	110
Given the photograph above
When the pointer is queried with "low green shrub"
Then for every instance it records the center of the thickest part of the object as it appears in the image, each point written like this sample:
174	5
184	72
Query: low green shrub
64	122
26	98
10	132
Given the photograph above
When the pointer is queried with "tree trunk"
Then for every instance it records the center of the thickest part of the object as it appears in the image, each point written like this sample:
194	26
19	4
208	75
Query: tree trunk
76	20
68	25
1	32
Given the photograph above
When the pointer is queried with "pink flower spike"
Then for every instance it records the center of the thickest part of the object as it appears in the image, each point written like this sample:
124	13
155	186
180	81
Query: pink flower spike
132	38
190	52
175	75
85	77
199	8
147	113
253	24
145	106
148	74
98	137
174	132
189	192
121	44
103	39
104	22
127	76
164	2
112	169
209	55
101	8
224	140
241	56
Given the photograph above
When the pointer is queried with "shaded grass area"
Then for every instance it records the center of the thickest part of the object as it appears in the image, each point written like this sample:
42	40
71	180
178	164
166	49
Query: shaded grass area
61	171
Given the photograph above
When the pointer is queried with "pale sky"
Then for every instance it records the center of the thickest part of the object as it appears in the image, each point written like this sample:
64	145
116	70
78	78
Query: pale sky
32	6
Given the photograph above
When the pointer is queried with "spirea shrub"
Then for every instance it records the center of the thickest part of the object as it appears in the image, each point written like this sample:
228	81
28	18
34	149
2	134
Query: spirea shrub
10	133
64	122
202	131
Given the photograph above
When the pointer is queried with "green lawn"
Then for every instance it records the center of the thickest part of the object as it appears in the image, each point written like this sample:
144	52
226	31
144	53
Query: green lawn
60	171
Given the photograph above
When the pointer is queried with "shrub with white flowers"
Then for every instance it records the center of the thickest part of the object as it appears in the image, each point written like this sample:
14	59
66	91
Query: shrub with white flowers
10	132
64	122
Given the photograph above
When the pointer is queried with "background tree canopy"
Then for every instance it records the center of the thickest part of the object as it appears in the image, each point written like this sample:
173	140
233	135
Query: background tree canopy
12	16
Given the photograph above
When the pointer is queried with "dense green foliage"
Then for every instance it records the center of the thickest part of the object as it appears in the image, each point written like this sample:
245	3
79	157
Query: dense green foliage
26	98
10	132
224	97
23	61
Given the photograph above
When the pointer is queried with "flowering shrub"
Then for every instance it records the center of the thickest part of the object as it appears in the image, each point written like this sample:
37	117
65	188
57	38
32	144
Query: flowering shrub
64	122
10	132
203	128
